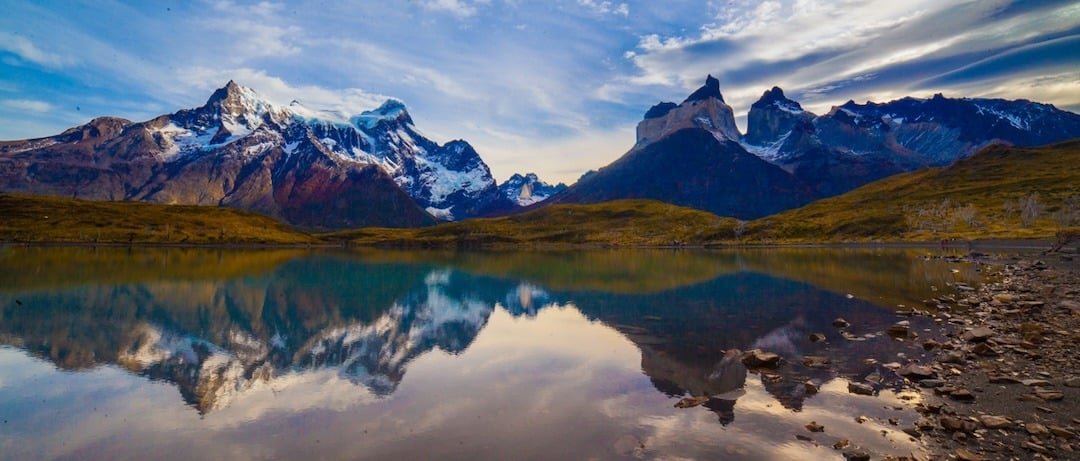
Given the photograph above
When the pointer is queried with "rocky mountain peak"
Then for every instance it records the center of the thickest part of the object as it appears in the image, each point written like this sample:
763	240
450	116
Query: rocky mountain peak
775	98
711	89
704	109
392	110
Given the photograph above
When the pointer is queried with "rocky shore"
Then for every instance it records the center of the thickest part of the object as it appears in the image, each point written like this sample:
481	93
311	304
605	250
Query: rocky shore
1005	382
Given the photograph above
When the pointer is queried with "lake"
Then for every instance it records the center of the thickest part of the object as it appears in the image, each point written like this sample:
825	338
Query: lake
173	353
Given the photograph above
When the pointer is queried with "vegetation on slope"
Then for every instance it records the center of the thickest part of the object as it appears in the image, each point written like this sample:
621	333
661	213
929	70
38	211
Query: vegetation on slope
617	223
42	219
1000	192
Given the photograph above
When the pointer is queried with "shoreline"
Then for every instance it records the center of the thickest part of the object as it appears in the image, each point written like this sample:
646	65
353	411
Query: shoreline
1004	383
988	244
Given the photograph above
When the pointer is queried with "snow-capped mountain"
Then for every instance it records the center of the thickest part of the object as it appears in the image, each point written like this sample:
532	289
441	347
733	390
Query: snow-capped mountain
309	167
855	144
691	153
528	190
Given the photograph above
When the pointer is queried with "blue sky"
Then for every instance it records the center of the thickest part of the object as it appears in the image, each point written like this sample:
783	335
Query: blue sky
554	87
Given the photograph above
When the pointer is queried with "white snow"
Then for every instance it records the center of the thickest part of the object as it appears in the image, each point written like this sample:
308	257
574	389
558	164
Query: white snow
770	152
442	181
1013	119
791	109
444	214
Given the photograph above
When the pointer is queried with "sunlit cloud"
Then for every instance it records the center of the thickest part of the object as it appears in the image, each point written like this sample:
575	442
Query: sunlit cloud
28	51
29	105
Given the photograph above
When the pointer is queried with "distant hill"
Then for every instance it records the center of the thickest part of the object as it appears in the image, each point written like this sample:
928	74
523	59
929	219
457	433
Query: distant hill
691	154
1000	192
615	223
41	219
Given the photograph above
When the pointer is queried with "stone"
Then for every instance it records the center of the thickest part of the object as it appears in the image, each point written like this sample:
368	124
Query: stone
1072	382
690	402
977	334
811	388
856	455
897	330
815	361
985	350
840	323
841	444
964	455
962	394
1035	382
995	422
1035	447
931	383
930	345
954	424
758	358
916	372
817	337
1003	379
1062	432
860	389
1037	430
803	438
1048	395
955	357
813	426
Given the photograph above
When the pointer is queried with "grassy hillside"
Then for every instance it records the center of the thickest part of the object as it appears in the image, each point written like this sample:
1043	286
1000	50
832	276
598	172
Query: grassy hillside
25	218
1000	192
618	223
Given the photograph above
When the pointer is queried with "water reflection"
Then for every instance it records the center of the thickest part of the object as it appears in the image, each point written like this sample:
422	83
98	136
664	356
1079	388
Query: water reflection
222	325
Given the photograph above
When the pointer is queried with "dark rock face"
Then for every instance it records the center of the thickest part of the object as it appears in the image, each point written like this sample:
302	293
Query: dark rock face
693	168
528	189
237	150
711	89
857	144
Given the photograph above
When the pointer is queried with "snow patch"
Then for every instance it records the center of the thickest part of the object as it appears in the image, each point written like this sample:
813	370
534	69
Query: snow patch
769	152
441	213
1015	120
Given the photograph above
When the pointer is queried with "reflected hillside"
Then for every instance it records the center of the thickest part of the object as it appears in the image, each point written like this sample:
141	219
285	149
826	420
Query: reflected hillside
888	277
39	268
269	317
619	271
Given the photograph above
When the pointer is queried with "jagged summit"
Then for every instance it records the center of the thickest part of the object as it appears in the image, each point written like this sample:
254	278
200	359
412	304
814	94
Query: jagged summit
710	90
704	109
775	97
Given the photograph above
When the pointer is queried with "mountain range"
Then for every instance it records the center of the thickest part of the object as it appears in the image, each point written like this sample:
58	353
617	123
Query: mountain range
331	170
311	168
692	154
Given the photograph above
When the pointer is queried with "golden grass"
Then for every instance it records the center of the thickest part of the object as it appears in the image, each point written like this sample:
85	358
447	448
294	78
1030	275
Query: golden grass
41	219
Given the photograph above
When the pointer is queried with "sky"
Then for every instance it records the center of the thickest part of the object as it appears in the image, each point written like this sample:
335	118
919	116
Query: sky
554	87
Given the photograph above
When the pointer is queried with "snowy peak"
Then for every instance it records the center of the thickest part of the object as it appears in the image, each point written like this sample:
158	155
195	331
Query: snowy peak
775	98
711	89
392	111
704	109
528	189
770	121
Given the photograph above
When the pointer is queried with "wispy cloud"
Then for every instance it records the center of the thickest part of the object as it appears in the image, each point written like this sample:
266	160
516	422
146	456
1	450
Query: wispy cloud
29	105
28	51
459	8
541	86
606	7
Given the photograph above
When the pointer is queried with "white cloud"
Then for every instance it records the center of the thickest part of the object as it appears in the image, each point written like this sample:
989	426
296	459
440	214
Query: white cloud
278	91
29	105
28	51
606	7
459	8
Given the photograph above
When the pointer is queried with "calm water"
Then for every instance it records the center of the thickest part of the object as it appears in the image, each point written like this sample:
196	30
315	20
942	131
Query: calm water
286	354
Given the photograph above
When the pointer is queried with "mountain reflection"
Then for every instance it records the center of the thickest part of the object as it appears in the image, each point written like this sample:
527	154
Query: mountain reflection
218	331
